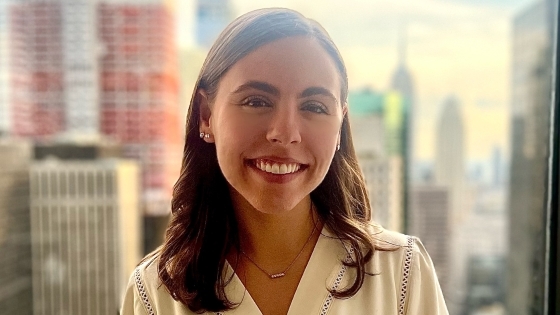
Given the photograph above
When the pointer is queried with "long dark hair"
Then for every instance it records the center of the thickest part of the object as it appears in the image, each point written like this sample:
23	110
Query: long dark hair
203	227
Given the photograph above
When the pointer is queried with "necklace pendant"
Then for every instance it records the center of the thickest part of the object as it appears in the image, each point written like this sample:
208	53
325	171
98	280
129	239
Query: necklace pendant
277	275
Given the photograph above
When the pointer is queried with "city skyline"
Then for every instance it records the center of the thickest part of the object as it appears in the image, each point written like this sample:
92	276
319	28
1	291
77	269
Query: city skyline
454	47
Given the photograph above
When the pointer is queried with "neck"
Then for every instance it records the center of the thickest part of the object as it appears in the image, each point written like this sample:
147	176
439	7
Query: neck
276	238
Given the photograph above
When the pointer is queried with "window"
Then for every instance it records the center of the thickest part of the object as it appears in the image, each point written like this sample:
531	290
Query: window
455	112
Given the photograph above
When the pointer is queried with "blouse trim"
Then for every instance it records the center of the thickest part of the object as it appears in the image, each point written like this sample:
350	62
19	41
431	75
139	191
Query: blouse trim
143	293
329	299
406	273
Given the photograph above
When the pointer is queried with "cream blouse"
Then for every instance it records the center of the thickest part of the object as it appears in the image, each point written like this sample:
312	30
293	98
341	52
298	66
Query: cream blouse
405	283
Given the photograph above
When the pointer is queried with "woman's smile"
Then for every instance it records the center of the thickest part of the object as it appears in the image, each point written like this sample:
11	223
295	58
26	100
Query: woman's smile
274	171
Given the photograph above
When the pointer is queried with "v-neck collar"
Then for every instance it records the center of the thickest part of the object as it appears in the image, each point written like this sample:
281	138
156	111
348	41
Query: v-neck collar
312	289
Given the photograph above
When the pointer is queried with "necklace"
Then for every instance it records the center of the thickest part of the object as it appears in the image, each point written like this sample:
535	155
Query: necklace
282	273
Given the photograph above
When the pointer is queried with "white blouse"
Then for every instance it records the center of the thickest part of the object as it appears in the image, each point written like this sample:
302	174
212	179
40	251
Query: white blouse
405	283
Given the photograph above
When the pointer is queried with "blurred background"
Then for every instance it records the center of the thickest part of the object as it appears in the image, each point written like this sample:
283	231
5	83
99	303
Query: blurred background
449	108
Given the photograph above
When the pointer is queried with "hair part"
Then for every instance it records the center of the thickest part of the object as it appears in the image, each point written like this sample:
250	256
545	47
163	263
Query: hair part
203	226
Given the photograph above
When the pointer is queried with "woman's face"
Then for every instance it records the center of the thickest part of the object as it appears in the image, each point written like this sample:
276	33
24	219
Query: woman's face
275	121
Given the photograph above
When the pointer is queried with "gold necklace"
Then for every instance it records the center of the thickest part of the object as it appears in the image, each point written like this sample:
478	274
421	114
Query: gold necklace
283	273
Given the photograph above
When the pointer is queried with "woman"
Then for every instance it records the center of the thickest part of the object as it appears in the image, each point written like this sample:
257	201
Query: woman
270	213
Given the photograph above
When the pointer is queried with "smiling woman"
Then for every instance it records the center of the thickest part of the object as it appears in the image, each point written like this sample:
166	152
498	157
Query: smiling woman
271	213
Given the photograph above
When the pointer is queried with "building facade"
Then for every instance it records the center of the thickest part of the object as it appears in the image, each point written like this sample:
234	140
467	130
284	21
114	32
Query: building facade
101	69
430	221
376	121
5	111
16	295
530	106
85	234
140	94
450	155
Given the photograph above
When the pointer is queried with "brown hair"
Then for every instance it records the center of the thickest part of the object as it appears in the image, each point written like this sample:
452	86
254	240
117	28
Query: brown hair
203	227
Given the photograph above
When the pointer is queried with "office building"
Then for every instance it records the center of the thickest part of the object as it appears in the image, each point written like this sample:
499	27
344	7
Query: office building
449	157
140	94
85	225
530	106
4	68
15	232
377	132
430	221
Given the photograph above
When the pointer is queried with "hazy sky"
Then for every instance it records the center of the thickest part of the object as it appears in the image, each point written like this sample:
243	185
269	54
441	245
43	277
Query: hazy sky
459	47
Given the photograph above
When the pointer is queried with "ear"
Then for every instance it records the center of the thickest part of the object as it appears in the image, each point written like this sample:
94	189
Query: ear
204	114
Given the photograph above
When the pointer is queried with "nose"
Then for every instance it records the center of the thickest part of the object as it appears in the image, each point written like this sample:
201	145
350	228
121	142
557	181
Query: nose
284	127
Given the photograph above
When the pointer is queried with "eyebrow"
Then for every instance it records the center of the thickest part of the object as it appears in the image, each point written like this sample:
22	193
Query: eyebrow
258	85
270	89
317	90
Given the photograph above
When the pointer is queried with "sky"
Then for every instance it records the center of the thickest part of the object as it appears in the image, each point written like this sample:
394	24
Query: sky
454	47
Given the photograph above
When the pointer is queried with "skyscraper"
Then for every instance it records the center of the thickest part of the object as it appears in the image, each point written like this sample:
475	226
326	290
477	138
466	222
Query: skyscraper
430	221
403	83
450	166
93	69
4	69
15	232
530	105
212	16
80	62
85	234
140	94
37	69
376	123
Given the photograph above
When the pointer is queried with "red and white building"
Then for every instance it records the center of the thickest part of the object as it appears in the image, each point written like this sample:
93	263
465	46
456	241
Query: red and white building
90	69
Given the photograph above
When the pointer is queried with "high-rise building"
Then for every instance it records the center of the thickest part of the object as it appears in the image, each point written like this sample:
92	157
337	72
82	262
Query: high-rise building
15	232
482	237
376	124
402	82
54	61
140	96
430	221
81	49
530	106
85	234
37	69
212	16
4	69
497	167
449	157
385	190
92	69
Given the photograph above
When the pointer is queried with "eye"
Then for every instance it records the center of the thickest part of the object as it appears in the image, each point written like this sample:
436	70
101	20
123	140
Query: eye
315	107
256	102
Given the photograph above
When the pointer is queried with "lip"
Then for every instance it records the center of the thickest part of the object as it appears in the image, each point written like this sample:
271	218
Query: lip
277	159
276	178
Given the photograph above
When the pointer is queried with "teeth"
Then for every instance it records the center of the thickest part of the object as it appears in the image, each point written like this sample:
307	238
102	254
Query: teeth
276	168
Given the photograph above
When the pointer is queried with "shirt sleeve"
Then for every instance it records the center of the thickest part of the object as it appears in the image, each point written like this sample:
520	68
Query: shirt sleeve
132	305
424	292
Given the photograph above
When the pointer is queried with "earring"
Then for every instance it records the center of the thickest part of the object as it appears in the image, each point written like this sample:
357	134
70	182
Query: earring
338	147
201	135
207	136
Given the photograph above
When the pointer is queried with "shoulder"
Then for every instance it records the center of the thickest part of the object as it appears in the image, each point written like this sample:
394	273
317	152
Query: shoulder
147	294
413	270
420	291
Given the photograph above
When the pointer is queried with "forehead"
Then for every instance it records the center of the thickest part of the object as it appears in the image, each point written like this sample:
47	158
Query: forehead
291	64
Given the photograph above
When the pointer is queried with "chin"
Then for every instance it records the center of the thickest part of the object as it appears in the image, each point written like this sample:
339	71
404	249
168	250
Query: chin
274	205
